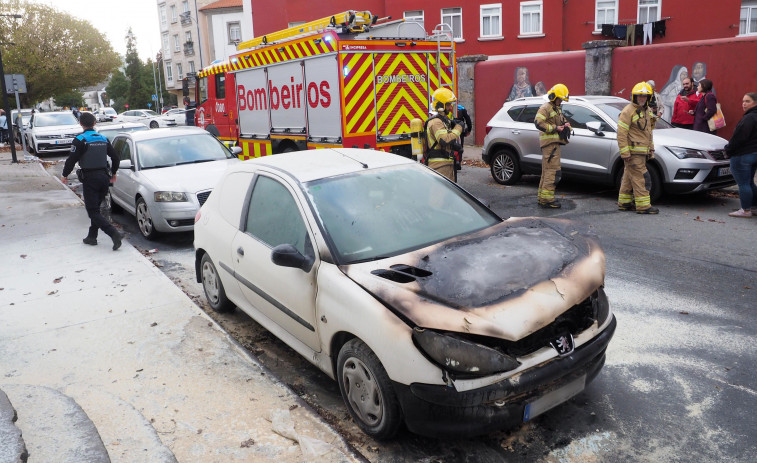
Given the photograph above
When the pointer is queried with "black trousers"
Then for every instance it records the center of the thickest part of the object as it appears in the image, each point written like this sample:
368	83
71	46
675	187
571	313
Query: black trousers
95	187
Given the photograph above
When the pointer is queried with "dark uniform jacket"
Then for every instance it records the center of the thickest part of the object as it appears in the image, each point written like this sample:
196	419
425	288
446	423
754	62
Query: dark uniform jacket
91	150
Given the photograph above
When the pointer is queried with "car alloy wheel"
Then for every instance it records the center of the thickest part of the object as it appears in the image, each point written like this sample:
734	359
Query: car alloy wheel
144	220
367	390
505	168
211	284
154	125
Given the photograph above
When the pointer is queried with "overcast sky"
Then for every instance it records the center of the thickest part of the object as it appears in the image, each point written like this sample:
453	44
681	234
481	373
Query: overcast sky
114	17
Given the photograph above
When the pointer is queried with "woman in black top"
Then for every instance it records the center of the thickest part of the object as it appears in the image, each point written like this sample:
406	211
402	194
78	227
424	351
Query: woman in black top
743	152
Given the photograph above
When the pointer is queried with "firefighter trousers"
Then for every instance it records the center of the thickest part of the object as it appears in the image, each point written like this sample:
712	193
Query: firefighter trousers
634	187
445	167
550	173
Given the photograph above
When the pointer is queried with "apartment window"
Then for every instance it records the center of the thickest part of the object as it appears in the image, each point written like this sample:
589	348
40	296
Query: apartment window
163	17
166	47
235	32
185	6
415	16
491	20
453	17
179	71
649	11
530	18
169	72
606	13
188	36
748	18
176	43
192	67
174	16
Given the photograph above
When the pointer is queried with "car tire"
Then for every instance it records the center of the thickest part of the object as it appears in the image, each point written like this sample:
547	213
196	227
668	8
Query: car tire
367	390
144	220
655	192
154	125
505	167
211	284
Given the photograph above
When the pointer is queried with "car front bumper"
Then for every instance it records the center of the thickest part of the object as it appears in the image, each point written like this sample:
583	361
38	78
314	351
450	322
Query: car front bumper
175	217
47	147
441	411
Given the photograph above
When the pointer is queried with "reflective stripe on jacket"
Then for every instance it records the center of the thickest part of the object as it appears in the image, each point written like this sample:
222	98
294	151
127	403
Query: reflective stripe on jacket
635	125
547	119
438	131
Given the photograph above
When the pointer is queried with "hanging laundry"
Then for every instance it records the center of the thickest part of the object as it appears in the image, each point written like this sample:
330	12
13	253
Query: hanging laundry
659	27
648	33
639	32
619	30
607	30
631	34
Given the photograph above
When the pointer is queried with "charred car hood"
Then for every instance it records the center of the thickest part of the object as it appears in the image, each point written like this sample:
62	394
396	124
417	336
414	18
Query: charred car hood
506	281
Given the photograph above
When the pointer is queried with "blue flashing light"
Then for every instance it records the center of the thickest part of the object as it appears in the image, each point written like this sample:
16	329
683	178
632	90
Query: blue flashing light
327	38
346	71
234	60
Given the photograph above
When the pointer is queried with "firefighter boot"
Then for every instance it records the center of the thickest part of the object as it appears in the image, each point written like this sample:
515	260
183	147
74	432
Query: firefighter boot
651	210
626	207
550	205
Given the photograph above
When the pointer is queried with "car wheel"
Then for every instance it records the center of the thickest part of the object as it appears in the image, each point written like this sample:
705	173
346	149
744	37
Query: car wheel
655	192
211	284
154	125
505	167
367	391
144	220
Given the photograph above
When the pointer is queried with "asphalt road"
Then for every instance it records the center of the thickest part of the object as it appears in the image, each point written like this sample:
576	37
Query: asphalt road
679	381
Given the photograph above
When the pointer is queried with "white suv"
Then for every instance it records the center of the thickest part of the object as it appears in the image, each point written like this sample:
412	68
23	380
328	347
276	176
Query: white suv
51	132
147	117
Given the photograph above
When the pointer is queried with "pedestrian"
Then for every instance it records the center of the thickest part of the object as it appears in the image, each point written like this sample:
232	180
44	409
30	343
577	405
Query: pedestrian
655	101
635	125
76	112
706	107
742	149
683	108
3	127
92	150
554	132
443	135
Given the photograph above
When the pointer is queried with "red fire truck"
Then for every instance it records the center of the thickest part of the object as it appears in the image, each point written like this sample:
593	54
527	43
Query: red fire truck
347	80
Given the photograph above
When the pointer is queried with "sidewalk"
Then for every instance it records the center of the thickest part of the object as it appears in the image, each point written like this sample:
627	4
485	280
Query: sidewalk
159	380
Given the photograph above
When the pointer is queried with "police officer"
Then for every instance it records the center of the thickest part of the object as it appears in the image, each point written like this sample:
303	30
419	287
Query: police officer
92	150
443	134
635	125
555	132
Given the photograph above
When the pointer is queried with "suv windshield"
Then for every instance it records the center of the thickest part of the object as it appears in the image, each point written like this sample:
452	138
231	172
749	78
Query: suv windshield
52	119
384	212
613	110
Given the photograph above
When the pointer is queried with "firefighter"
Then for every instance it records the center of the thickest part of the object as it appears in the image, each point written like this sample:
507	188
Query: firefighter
635	125
555	131
443	134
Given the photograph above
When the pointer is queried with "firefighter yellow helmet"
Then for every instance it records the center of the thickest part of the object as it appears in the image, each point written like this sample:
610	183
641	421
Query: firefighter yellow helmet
558	91
642	88
441	97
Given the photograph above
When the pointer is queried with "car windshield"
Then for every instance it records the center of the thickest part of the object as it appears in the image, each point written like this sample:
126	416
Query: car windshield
49	120
110	112
385	212
111	133
613	110
150	113
177	150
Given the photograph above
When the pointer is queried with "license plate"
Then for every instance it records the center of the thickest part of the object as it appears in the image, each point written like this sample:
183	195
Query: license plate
64	141
724	171
553	399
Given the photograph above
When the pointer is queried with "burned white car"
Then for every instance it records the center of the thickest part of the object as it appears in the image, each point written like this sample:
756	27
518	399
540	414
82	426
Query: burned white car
422	303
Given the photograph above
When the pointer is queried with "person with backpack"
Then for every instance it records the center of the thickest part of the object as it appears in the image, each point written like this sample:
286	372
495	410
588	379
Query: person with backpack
443	135
554	132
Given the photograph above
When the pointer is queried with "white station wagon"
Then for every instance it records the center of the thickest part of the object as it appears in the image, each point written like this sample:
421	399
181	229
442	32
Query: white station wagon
423	304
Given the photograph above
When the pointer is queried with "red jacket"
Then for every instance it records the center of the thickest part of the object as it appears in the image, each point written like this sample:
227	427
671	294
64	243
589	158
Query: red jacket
681	109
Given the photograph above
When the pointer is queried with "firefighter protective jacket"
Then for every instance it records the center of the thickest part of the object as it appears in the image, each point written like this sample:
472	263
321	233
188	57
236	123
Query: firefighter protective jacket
635	125
439	136
547	119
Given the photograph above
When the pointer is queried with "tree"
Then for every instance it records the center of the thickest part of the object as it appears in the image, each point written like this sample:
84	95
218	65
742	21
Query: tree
118	90
55	51
69	99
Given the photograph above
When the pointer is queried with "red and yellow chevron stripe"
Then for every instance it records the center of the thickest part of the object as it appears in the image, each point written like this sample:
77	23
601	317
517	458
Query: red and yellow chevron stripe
254	149
276	53
401	99
359	107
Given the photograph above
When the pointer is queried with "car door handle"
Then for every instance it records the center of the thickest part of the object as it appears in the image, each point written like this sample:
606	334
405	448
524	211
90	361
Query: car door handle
240	251
516	132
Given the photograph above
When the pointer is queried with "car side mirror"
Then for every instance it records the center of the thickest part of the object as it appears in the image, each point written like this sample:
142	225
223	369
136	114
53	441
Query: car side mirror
236	150
596	127
126	164
286	255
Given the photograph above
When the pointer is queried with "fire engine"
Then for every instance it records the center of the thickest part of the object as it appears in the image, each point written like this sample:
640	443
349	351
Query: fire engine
347	80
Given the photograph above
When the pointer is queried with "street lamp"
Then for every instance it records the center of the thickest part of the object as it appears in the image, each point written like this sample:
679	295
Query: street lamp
6	105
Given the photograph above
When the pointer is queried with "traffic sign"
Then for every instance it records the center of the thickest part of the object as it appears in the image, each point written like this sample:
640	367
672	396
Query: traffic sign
155	98
15	83
149	105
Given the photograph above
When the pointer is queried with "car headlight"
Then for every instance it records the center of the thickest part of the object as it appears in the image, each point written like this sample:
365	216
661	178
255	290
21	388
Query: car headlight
462	356
684	153
170	196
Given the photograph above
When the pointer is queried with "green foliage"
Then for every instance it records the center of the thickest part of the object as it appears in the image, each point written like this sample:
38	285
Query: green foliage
69	99
118	90
55	51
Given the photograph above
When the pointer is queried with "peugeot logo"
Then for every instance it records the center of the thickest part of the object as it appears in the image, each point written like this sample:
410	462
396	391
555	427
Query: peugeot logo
563	344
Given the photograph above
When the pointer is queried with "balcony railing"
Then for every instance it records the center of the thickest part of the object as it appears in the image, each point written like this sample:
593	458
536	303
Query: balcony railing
189	49
185	18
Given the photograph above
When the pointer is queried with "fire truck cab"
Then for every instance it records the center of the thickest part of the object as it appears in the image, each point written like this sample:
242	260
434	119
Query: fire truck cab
347	80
